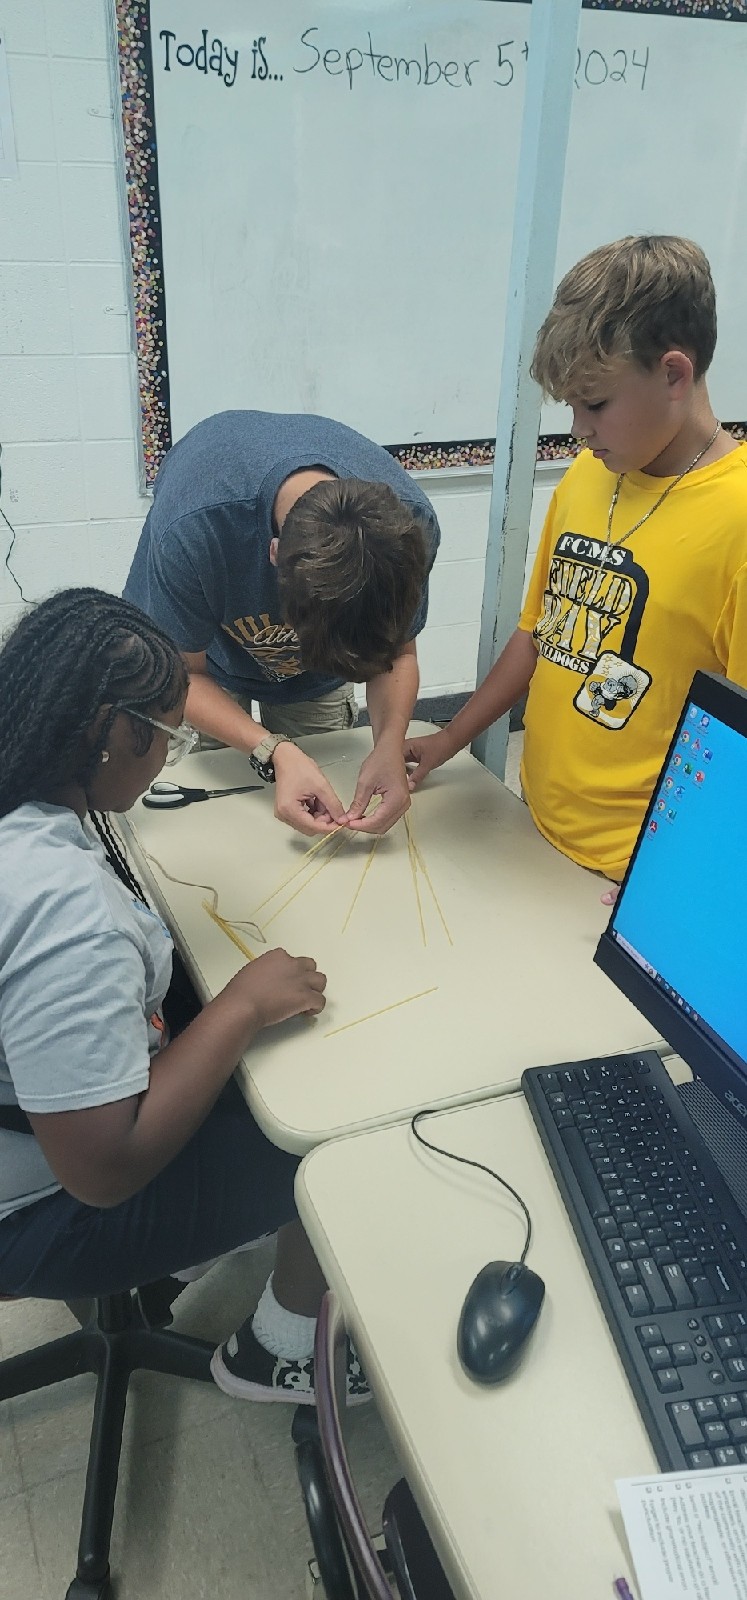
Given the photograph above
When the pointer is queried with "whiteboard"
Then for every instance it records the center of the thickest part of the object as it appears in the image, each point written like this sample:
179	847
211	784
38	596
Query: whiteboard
334	187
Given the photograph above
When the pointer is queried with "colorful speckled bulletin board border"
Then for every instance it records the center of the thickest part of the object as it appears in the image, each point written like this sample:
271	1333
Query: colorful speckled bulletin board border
143	204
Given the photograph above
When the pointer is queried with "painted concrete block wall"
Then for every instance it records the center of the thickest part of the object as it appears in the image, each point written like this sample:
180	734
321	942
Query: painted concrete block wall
68	409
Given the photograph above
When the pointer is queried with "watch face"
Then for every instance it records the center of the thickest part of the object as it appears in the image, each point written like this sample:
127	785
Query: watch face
265	769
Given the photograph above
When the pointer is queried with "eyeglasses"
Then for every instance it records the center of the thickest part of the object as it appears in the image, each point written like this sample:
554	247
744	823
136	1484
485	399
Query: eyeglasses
182	740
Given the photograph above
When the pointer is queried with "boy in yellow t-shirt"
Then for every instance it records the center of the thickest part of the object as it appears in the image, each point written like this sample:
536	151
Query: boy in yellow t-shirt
641	574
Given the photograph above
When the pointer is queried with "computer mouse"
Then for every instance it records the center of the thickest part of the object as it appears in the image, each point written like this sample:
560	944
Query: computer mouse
498	1315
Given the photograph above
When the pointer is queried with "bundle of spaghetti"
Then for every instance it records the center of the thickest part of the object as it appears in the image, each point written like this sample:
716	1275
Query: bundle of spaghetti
228	929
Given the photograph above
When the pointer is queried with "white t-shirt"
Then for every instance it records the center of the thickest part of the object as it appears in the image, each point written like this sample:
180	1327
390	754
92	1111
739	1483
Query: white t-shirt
84	967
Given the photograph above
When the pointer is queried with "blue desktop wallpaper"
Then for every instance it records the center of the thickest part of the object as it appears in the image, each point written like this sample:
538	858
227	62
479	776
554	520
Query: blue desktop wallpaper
684	909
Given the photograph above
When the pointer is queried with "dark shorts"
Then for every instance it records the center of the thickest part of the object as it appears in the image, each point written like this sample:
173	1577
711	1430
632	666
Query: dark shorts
227	1186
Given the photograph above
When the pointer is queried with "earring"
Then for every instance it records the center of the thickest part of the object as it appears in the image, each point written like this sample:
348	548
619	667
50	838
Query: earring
104	756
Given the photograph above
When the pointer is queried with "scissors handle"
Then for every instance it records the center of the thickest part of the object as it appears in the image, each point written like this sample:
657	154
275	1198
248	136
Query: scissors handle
166	797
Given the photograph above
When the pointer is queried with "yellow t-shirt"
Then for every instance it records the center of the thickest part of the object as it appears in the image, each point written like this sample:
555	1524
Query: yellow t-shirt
619	643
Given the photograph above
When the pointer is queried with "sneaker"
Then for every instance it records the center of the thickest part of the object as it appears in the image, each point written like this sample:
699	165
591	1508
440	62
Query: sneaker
244	1369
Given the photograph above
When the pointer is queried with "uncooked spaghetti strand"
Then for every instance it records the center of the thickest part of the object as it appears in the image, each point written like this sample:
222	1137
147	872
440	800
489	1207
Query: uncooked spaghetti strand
369	859
307	881
414	870
318	845
436	902
406	1002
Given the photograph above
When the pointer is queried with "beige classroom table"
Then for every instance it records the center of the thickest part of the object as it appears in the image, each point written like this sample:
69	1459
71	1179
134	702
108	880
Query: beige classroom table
516	1482
515	987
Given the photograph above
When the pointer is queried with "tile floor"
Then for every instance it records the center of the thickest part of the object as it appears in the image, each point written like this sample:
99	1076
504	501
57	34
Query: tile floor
208	1504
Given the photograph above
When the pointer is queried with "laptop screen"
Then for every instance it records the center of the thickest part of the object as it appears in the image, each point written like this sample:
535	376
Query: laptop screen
681	917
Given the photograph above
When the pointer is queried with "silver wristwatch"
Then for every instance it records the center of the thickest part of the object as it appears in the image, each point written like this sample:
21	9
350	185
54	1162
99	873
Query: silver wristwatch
262	754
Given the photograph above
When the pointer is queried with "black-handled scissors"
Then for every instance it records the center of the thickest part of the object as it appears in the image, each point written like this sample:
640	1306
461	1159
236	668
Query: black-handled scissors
167	796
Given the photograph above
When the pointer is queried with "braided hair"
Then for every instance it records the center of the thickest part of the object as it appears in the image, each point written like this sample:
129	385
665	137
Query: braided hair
69	656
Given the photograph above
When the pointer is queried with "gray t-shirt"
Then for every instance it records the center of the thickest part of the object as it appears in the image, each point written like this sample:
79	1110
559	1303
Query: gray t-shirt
202	567
84	967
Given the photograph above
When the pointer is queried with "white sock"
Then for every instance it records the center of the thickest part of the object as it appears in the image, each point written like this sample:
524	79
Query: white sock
283	1333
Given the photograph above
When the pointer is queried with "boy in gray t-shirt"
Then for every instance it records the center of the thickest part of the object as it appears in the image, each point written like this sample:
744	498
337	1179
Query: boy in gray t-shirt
286	555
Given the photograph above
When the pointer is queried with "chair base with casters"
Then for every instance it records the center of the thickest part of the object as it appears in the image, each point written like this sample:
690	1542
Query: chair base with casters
351	1566
116	1342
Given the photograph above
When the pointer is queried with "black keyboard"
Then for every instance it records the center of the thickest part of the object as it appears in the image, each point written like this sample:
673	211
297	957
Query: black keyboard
665	1243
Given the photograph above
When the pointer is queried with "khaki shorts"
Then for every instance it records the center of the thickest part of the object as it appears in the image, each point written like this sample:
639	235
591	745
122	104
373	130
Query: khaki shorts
328	714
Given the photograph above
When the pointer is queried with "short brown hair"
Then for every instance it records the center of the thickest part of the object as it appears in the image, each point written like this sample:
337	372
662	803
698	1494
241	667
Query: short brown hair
352	563
632	300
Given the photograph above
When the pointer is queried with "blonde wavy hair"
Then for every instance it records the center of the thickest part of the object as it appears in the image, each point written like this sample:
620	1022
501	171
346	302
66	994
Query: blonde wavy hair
628	301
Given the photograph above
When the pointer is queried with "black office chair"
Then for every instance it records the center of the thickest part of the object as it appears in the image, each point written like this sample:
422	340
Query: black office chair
115	1342
350	1565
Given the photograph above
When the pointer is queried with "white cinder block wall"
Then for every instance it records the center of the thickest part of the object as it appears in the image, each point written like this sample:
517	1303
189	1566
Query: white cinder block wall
68	413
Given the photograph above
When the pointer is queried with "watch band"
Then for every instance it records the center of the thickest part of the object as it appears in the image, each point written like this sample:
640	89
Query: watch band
262	754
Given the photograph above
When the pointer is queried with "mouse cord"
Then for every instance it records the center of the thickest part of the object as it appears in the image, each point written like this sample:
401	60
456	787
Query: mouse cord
430	1111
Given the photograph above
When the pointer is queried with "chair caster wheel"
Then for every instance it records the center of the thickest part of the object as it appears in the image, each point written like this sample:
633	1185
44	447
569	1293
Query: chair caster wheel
97	1589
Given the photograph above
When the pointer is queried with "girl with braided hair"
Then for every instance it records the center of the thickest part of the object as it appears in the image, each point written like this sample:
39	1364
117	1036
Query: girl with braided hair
126	1155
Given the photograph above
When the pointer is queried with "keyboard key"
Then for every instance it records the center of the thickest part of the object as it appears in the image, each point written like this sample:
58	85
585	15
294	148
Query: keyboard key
651	1278
738	1430
727	1457
591	1188
716	1433
617	1249
701	1291
737	1367
730	1405
625	1273
637	1300
683	1355
607	1227
650	1333
659	1355
706	1410
724	1283
728	1346
688	1428
678	1286
668	1380
700	1459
